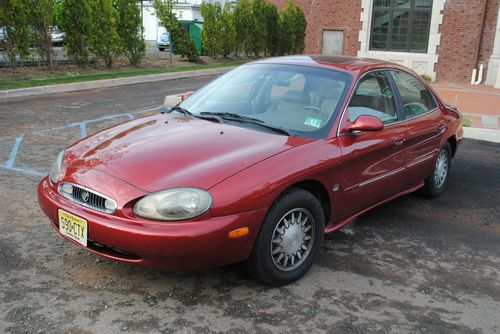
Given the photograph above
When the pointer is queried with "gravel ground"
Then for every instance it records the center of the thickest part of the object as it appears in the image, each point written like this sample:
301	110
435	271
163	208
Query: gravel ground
411	265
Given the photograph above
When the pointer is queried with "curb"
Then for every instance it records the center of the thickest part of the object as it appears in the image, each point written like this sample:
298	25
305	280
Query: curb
482	134
106	83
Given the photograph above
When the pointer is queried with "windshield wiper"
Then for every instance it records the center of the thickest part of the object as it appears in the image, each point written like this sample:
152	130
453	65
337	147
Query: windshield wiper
186	112
180	110
231	115
241	118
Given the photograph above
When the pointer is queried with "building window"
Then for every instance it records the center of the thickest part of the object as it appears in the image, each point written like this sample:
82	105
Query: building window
401	25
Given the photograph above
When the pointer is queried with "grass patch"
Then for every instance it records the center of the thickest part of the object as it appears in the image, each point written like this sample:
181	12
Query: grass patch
110	75
466	121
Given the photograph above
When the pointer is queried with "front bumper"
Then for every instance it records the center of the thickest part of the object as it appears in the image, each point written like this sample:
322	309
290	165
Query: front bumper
162	44
198	243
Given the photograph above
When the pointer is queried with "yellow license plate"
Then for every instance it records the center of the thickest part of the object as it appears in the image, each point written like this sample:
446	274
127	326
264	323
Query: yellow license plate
73	227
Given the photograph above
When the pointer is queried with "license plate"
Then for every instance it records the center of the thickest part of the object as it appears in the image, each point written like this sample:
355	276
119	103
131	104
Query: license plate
73	227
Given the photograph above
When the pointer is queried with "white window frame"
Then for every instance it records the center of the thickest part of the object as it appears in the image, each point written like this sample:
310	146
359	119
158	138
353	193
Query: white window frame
422	63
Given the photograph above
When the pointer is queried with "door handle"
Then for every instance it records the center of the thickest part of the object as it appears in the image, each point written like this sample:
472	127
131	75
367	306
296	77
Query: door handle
441	128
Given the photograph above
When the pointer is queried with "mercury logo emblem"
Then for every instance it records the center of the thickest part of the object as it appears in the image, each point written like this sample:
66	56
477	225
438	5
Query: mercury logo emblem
85	196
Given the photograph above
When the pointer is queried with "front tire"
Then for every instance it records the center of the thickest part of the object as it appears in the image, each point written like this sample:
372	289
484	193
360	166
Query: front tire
289	239
436	183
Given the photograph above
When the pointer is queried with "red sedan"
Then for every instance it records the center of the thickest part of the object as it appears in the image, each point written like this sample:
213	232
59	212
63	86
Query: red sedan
256	166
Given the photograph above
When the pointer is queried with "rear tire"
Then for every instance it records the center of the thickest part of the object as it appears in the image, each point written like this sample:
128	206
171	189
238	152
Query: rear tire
436	183
289	239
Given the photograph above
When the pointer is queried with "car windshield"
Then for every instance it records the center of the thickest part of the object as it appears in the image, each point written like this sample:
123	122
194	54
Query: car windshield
302	100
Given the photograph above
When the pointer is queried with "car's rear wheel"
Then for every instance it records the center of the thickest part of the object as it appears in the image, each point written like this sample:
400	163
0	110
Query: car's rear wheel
289	239
436	183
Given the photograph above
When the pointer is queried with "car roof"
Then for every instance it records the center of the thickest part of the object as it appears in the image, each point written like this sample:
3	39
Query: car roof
346	63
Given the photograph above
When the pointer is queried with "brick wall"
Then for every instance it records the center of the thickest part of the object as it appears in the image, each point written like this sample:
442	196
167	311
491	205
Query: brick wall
329	15
460	31
460	34
490	25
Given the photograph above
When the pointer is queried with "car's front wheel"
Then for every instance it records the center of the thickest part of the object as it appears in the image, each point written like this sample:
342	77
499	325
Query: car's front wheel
436	183
289	239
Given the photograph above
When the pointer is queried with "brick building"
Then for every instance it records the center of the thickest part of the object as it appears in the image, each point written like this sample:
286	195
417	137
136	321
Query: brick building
445	39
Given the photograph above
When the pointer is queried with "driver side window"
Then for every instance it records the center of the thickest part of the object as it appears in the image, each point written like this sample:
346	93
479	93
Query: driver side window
374	97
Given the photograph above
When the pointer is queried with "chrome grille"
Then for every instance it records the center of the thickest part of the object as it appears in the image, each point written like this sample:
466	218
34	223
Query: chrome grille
87	197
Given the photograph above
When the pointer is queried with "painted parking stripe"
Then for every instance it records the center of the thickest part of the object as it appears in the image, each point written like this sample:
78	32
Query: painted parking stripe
25	171
13	152
82	125
83	130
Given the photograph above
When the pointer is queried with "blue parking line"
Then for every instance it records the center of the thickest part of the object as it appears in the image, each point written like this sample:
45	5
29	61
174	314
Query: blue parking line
83	130
94	120
13	152
9	164
25	171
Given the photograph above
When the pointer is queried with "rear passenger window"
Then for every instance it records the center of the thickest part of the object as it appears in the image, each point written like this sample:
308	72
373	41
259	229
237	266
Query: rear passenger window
416	98
374	97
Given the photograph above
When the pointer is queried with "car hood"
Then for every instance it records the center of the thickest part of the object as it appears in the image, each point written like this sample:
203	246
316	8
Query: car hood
165	151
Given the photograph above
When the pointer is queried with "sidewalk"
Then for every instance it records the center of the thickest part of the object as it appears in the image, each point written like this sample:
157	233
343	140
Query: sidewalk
480	103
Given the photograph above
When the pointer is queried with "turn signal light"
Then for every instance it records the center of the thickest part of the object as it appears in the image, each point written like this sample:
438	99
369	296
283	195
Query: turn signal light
238	233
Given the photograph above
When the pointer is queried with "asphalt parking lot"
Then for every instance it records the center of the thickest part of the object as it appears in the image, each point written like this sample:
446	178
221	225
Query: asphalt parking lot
411	265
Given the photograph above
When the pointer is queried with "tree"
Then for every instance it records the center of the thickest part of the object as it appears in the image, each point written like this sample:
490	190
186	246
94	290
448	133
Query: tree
300	24
14	16
130	30
272	29
104	40
41	17
211	35
228	31
178	36
292	28
257	37
56	20
243	22
77	21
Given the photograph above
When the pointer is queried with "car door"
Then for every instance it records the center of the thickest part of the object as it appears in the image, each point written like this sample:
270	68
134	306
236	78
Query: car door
425	126
372	162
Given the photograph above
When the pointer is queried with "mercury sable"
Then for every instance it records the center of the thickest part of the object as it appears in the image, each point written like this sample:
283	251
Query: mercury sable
255	166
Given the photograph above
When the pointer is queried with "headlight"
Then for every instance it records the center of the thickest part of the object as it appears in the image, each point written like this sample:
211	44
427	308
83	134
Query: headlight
56	167
174	204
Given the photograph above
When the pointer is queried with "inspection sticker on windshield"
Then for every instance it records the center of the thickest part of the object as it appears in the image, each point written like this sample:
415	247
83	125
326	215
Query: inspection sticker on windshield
313	122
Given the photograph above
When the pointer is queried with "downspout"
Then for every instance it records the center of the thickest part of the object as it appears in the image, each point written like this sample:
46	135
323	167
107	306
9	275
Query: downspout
473	79
480	39
480	75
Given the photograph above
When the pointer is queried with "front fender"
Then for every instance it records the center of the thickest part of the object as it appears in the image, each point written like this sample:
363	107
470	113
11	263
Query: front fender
260	185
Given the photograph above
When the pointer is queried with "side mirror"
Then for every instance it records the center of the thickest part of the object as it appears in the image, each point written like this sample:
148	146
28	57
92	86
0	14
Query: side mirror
365	123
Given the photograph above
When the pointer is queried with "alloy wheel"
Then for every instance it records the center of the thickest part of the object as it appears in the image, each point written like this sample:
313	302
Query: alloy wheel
292	239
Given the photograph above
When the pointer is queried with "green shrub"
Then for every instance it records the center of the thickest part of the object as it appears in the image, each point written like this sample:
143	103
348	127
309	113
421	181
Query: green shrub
243	24
130	30
178	36
466	121
14	16
258	35
426	77
104	40
228	30
76	22
41	16
272	29
211	35
292	28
